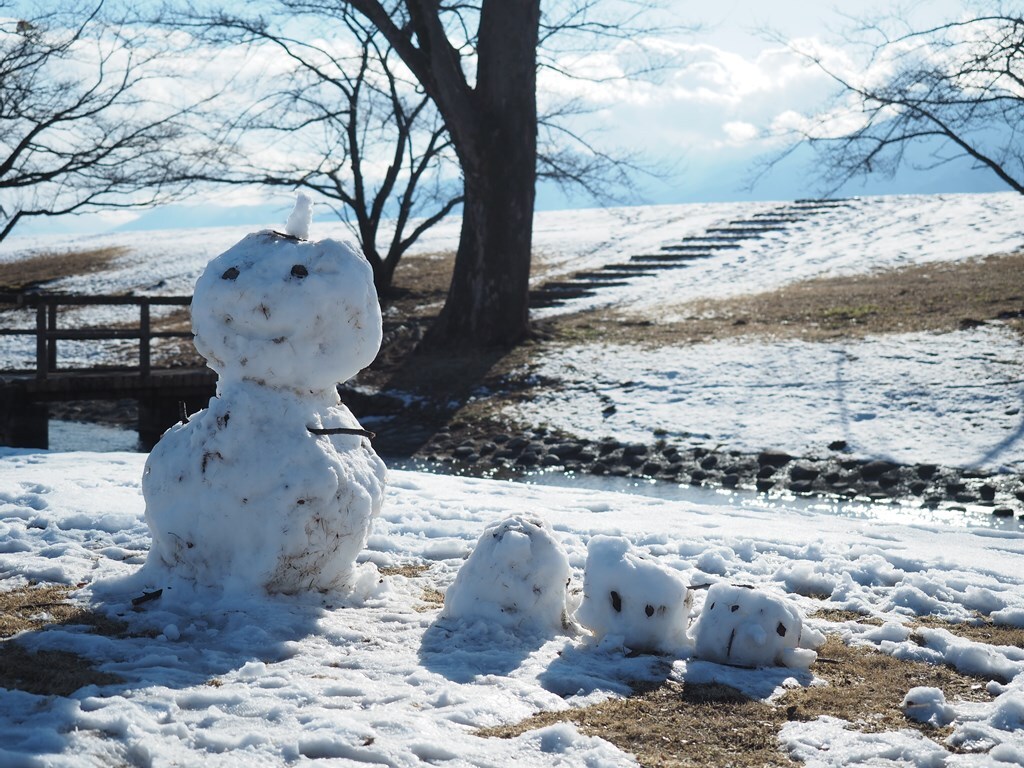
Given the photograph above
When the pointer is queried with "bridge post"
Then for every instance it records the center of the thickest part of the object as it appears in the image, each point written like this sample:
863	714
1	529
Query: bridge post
156	415
23	423
51	337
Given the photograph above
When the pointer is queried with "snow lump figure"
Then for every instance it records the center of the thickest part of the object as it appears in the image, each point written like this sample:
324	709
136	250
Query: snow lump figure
747	628
631	599
274	486
517	576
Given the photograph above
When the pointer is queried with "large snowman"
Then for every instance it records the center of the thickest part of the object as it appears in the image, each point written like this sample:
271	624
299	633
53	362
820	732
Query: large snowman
274	486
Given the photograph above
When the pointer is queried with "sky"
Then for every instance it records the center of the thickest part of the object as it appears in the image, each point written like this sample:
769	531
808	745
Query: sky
701	127
707	119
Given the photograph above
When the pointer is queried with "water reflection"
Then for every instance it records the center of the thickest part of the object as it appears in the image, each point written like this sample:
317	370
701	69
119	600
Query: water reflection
908	513
77	436
66	436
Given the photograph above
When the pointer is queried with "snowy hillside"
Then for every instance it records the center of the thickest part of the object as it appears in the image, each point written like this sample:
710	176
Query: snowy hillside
868	234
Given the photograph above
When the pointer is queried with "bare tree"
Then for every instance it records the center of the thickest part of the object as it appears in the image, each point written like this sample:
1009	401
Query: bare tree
952	91
78	132
478	63
355	131
492	120
368	138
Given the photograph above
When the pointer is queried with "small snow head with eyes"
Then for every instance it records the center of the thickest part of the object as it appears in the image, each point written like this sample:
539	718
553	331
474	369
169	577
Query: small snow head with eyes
282	311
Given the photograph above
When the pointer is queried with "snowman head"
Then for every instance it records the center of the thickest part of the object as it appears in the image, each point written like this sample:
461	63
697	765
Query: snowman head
287	312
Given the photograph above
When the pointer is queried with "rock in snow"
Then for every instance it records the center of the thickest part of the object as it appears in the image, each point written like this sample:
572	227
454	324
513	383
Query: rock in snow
749	628
630	598
245	495
518	576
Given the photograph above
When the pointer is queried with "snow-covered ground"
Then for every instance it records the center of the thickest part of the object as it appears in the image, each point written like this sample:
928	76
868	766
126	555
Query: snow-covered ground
955	399
383	679
385	676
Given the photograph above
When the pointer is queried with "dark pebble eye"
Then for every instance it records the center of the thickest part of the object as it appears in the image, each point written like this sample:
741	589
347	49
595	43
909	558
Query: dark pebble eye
299	271
230	274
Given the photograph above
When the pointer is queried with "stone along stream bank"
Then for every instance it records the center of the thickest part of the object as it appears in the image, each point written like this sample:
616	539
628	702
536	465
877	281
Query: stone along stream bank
466	449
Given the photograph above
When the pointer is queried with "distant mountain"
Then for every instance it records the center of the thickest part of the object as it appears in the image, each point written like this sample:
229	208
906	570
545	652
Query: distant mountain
197	216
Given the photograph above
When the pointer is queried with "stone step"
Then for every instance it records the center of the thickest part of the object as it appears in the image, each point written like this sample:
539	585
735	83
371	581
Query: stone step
700	247
737	233
682	259
721	235
634	271
768	224
600	278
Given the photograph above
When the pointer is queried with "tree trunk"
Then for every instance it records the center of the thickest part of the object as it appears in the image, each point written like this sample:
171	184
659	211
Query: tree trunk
381	274
488	301
487	304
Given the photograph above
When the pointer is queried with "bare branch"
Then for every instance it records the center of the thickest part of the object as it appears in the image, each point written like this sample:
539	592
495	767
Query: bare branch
955	90
77	131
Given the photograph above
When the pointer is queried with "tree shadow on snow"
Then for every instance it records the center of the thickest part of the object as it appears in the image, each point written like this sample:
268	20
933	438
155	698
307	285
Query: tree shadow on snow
463	651
106	648
759	683
583	669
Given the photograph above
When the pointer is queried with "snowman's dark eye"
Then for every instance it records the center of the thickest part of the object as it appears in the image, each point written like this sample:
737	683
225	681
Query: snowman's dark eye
230	274
299	271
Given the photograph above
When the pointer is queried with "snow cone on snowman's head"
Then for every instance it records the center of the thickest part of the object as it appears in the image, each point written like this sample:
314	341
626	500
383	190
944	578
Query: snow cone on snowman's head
280	310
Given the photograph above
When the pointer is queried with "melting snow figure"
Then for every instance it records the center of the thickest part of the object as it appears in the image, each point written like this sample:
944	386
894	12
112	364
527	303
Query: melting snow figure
928	705
747	628
631	599
272	486
518	576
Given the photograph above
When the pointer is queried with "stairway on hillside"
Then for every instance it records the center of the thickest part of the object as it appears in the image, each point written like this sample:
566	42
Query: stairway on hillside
681	254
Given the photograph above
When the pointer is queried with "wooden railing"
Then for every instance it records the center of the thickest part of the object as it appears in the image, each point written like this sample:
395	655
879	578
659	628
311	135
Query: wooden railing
47	332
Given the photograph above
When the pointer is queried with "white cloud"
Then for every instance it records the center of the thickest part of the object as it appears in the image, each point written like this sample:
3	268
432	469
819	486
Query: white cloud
739	132
710	98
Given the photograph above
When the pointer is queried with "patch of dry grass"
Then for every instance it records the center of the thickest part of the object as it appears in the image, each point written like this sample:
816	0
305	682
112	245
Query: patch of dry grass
39	269
866	688
420	283
983	631
675	724
48	673
35	607
838	615
433	597
941	296
410	570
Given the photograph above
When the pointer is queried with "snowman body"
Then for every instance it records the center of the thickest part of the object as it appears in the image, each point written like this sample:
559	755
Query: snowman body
265	488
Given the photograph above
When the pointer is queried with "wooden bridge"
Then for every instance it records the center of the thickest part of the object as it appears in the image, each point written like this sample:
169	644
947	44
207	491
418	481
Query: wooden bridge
25	394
